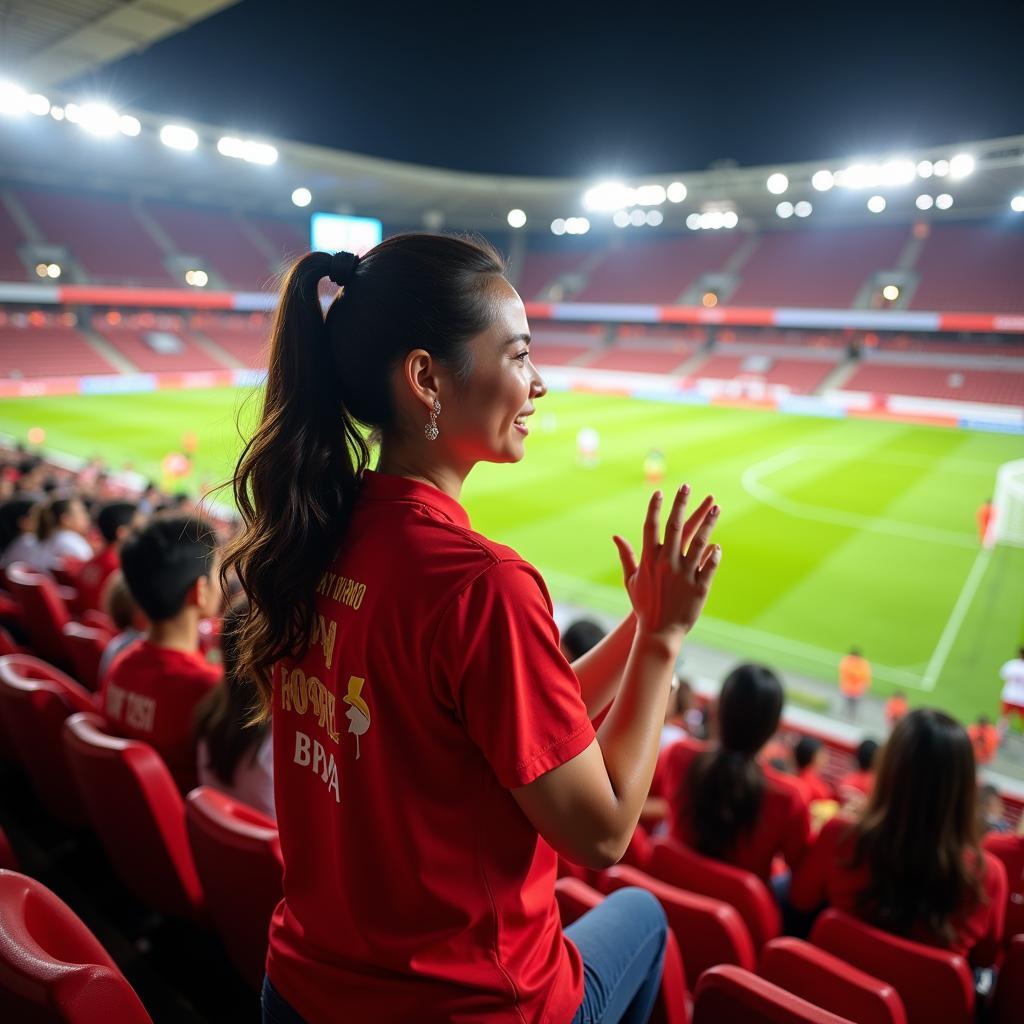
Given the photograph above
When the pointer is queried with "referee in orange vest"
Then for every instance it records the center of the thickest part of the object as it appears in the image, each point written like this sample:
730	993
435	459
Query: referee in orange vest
854	680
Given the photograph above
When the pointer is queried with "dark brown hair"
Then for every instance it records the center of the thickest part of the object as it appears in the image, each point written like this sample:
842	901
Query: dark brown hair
723	790
298	474
919	824
50	515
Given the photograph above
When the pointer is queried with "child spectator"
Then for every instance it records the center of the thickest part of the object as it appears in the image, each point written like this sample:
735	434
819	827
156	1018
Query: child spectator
985	739
113	521
62	529
126	615
854	786
912	865
725	805
152	688
236	758
811	756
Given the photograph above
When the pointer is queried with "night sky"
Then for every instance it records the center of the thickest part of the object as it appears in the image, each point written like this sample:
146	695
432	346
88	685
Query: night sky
582	89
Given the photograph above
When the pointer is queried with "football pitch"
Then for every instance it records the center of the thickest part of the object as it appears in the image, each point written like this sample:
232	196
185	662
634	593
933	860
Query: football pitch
834	532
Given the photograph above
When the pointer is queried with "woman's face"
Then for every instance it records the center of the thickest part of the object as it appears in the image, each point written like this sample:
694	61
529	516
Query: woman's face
76	518
484	419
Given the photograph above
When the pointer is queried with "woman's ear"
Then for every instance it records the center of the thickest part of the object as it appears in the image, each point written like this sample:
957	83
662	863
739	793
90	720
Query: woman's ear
421	378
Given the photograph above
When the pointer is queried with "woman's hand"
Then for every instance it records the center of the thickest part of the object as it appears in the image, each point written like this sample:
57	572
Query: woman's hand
671	581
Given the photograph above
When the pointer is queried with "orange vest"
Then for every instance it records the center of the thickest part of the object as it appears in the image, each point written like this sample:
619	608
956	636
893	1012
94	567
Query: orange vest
854	675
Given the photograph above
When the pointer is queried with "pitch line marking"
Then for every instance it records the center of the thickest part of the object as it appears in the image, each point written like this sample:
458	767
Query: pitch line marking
956	619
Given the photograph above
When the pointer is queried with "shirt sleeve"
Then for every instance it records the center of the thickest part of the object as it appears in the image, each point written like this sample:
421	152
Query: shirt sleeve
497	664
809	889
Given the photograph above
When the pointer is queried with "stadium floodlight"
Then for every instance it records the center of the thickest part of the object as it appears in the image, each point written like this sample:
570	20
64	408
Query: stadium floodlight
944	201
676	192
621	219
693	222
516	218
576	226
822	181
803	208
178	136
898	171
713	220
13	99
890	293
197	278
251	151
57	113
40	270
651	195
777	183
709	300
608	196
961	165
130	126
637	218
1017	203
924	202
99	119
730	219
940	168
655	218
558	226
37	104
72	113
53	270
876	204
784	210
303	197
925	169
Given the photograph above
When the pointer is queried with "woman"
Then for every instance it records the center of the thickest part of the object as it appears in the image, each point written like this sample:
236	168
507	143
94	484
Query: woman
912	864
724	804
433	750
238	761
62	529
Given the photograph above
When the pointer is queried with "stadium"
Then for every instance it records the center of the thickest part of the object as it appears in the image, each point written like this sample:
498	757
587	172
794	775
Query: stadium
833	348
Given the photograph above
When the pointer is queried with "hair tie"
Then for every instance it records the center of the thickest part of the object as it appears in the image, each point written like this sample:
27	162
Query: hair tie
343	266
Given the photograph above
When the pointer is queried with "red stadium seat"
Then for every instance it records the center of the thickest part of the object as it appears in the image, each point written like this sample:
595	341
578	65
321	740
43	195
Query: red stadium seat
822	979
8	859
35	698
85	646
1010	850
677	864
575	898
238	856
138	815
933	983
1010	986
709	931
52	968
730	994
44	612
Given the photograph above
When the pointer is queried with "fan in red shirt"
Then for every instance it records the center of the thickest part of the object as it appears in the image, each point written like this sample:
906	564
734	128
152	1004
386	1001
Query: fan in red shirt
151	691
726	805
811	757
113	521
912	865
433	749
855	786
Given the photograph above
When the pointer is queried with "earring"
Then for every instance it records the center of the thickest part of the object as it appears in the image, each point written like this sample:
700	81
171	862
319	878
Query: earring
430	430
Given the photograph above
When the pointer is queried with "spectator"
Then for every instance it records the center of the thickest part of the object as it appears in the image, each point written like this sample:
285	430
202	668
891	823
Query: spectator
580	637
1012	675
113	521
912	865
433	748
126	615
62	528
991	813
680	701
854	680
811	757
895	708
724	804
985	740
19	517
233	755
854	786
152	688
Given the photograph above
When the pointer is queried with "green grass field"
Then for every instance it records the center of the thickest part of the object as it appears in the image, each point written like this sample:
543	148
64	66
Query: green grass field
835	532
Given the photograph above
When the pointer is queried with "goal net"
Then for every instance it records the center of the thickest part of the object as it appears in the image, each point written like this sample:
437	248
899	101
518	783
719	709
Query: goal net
1009	504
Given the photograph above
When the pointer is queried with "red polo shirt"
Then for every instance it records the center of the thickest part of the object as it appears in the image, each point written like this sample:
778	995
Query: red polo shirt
827	877
782	826
92	577
414	886
150	693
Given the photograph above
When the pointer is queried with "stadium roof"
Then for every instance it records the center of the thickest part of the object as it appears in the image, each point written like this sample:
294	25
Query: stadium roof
50	41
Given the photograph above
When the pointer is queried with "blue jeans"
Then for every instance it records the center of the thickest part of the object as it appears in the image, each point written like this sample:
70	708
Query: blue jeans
622	943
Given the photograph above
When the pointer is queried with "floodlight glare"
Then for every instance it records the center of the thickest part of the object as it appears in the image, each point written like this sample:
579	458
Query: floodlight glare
676	192
302	197
650	195
890	293
822	181
37	104
13	99
53	270
575	226
558	226
516	218
621	219
777	183
693	222
925	169
944	201
713	220
178	136
730	219
57	113
247	149
961	165
130	126
924	202
784	210
1017	204
72	113
897	172
637	218
608	196
876	204
197	278
940	168
654	218
803	208
98	119
40	270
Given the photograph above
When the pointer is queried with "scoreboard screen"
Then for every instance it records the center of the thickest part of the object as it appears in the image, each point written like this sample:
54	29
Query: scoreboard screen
334	232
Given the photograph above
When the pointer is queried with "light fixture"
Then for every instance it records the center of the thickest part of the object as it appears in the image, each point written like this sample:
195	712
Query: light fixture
784	210
1017	203
925	169
709	300
961	165
40	270
650	195
654	218
730	219
197	278
876	204
608	196
621	218
516	218
637	218
822	181
777	183
940	168
37	104
803	208
99	119
924	202
944	201
890	293
250	150
302	197
13	99
693	222
130	126
558	226
178	136
676	192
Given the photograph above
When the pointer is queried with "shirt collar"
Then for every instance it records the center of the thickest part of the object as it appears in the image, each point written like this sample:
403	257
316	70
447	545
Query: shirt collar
385	487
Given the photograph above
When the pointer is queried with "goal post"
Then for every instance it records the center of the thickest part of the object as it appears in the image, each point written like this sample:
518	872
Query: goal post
1008	504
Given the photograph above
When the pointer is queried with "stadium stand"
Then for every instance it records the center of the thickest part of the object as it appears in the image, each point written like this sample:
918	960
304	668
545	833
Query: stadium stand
154	344
37	345
242	337
801	376
963	385
543	267
11	266
558	344
288	239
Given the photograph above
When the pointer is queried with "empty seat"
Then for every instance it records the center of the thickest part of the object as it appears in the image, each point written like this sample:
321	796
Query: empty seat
52	968
35	699
729	994
43	611
934	984
825	980
1010	986
238	856
138	814
1010	850
85	646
